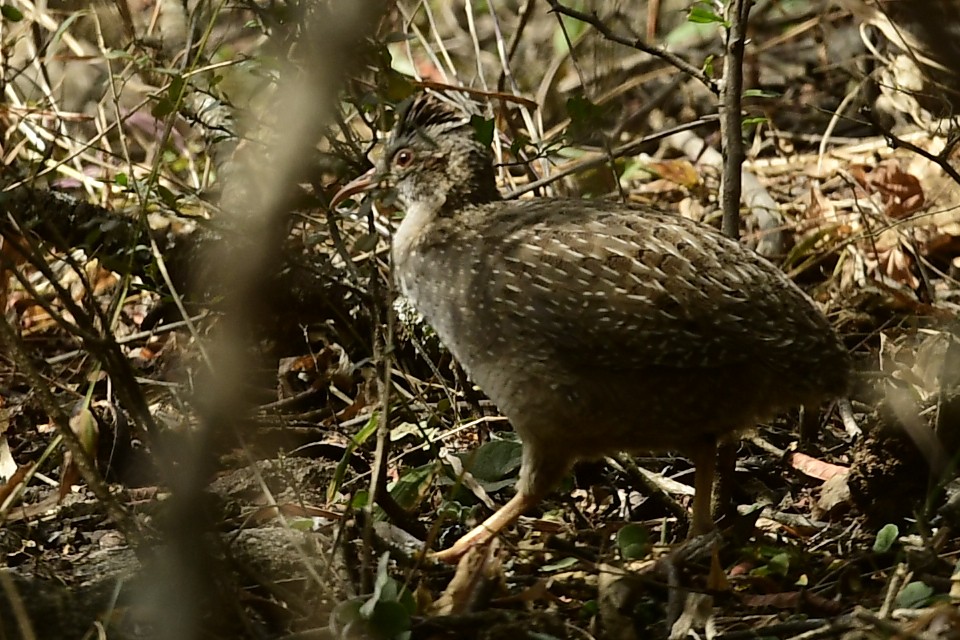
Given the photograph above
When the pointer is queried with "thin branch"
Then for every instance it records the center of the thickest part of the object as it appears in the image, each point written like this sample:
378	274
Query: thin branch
618	152
939	159
636	43
731	128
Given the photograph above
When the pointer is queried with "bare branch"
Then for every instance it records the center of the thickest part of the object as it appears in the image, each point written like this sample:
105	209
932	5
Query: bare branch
637	43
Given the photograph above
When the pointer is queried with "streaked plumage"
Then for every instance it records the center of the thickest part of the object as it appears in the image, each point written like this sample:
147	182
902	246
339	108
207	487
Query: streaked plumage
594	326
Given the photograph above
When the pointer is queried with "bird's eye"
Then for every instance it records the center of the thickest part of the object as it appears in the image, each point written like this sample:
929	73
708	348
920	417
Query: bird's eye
403	158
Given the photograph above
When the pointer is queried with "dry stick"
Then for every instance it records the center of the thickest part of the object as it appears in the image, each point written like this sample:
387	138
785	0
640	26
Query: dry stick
653	15
899	578
810	629
731	130
731	136
941	159
257	196
887	627
655	486
383	358
849	421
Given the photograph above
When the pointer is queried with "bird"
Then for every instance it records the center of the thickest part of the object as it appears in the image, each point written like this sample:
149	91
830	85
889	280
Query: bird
594	326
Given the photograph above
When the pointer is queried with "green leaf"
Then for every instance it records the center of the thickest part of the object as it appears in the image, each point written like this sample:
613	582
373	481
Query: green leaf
580	108
885	538
365	432
413	485
62	28
779	564
633	540
167	196
914	596
389	607
360	499
806	248
84	426
494	460
366	243
708	65
482	129
518	143
347	612
382	577
589	609
753	120
300	524
162	109
585	117
171	98
11	13
702	13
390	620
121	179
175	89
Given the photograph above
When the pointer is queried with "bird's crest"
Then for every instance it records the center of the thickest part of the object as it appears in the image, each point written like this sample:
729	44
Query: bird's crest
425	115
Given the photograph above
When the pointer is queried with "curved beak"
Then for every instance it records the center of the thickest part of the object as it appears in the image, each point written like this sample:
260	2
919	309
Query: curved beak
363	183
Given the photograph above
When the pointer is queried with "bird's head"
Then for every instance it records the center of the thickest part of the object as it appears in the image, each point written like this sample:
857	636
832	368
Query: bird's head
432	157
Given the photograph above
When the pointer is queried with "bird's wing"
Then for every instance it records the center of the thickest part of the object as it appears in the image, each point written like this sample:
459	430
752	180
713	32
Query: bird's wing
623	290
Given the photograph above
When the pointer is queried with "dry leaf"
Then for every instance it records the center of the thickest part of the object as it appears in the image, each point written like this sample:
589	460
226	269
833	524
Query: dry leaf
680	171
815	468
900	192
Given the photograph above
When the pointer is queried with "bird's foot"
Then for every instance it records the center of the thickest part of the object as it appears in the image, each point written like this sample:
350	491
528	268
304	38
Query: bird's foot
478	537
481	535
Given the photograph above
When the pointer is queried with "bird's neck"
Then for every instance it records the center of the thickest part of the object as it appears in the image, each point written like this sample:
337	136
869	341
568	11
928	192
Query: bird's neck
478	185
417	225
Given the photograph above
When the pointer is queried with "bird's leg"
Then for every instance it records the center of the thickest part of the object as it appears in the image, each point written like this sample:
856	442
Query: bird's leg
705	466
809	424
542	466
722	504
480	535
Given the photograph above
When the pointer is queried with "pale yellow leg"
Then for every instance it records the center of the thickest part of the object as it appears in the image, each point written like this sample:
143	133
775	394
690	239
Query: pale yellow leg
504	517
705	464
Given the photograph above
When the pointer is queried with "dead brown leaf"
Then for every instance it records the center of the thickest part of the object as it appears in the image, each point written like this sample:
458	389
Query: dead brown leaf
900	192
815	468
679	171
897	264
